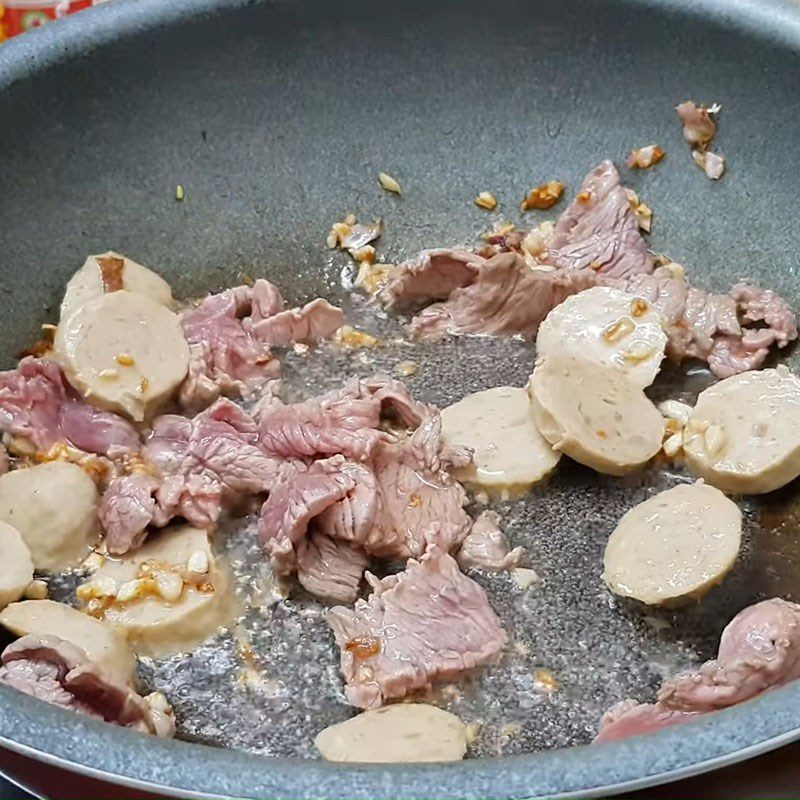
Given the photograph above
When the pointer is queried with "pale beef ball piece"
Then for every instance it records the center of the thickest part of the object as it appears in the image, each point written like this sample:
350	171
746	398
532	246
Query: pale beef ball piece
609	327
105	646
124	353
403	733
16	565
594	415
744	433
498	424
54	507
111	272
674	547
166	597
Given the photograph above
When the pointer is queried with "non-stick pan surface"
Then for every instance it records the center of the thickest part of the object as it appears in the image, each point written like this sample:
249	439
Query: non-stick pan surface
276	118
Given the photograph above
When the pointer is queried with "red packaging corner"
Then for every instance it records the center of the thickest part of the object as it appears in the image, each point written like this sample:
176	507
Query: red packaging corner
20	16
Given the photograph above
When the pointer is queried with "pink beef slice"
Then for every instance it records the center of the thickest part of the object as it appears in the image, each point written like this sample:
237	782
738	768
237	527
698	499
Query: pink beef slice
300	494
487	547
58	672
401	497
432	275
417	494
759	650
224	356
599	232
388	505
716	328
37	404
507	298
629	718
310	324
331	569
344	421
198	466
127	508
428	623
230	335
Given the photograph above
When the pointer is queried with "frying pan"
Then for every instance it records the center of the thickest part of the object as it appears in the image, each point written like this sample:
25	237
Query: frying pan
276	117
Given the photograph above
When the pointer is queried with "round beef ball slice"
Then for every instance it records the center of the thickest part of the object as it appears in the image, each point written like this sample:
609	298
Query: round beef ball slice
105	646
54	508
16	565
609	327
672	548
744	433
124	353
168	596
112	272
509	451
404	732
594	414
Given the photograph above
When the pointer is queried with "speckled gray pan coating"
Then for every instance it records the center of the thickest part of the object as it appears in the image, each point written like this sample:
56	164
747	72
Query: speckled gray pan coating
276	118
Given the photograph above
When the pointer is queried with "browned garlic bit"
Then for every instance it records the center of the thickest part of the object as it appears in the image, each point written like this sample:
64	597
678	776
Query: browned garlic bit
389	183
643	212
618	330
712	164
677	414
524	577
37	590
486	200
354	237
543	197
698	126
644	157
372	277
546	680
406	369
498	231
534	242
348	336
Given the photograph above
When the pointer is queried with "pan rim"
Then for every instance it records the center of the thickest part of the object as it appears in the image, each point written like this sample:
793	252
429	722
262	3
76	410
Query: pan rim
171	767
174	768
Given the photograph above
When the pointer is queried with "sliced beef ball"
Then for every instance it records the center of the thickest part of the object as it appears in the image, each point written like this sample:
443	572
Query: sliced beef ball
425	624
61	673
